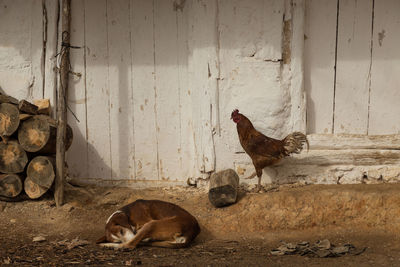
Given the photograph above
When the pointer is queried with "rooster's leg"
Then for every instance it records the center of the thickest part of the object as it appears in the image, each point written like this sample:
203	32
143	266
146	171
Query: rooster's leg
259	174
259	183
251	176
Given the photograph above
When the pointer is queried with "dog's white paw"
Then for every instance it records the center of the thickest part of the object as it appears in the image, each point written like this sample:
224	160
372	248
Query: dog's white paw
111	245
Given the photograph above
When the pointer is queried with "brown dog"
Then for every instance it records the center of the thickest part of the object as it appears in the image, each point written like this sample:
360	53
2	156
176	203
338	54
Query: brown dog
156	222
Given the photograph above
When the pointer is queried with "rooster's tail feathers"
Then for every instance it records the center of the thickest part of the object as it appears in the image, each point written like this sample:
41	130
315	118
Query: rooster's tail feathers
293	143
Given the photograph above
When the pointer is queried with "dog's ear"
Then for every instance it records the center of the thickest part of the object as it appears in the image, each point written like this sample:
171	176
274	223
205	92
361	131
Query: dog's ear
102	239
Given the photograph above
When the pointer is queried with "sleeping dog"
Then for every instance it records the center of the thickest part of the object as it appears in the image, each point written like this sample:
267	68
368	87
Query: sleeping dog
154	222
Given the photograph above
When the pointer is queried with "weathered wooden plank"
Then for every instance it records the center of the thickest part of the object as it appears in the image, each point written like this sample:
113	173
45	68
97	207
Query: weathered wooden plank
143	90
353	141
167	90
297	91
97	90
50	36
77	155
319	63
385	80
120	74
186	131
203	74
353	66
37	53
15	49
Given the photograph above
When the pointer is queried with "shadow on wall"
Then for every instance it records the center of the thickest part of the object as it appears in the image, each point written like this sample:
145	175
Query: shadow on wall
89	157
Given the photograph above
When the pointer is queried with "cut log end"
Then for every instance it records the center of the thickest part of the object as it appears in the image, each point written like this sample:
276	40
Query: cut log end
39	133
32	189
41	170
34	133
13	158
9	119
10	185
43	106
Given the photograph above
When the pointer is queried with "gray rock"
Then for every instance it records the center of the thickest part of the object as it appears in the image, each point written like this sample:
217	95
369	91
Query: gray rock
223	188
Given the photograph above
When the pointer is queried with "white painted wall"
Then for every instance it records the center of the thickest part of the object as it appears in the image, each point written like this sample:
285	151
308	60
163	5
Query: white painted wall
161	78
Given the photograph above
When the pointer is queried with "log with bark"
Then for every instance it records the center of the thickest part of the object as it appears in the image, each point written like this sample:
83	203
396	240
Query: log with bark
24	117
9	119
27	107
13	157
10	185
40	176
39	133
43	106
8	99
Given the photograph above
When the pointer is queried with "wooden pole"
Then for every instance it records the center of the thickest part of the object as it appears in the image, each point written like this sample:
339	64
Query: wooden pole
61	104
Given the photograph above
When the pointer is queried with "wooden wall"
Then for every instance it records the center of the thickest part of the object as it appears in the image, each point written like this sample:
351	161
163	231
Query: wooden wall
160	78
129	101
351	63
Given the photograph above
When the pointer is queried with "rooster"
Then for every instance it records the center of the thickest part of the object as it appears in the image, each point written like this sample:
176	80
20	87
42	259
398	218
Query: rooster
263	150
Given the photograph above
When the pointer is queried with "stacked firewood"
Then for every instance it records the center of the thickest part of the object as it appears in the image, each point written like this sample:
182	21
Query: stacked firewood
27	148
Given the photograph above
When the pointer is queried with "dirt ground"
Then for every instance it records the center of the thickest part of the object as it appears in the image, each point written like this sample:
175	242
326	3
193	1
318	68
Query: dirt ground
240	235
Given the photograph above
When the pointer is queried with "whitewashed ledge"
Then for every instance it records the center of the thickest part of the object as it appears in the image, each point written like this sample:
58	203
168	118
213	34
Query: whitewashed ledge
353	141
331	159
334	159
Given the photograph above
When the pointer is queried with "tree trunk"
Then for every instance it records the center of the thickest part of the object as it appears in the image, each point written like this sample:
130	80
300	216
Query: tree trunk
13	158
26	107
223	188
62	135
39	134
10	185
9	119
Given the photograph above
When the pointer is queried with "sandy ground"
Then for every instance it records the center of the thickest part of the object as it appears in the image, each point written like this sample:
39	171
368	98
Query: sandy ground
240	235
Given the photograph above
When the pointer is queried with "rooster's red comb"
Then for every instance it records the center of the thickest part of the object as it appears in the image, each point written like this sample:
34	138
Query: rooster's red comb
234	113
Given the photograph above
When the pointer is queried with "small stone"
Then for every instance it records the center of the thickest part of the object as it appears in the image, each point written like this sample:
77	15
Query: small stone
13	221
39	239
223	188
